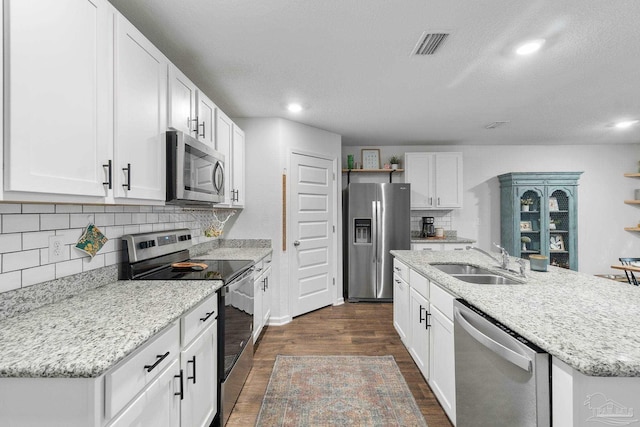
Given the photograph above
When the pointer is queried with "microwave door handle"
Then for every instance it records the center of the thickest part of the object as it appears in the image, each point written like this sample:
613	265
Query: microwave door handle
216	184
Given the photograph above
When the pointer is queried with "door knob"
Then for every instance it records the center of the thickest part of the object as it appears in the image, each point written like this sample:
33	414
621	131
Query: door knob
296	243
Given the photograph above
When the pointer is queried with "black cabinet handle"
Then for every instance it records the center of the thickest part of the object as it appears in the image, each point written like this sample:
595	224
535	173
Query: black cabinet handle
206	316
128	169
109	182
426	323
160	357
193	360
420	319
196	129
181	392
203	129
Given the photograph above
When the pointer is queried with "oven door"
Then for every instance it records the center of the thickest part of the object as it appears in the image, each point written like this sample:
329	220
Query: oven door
195	171
238	319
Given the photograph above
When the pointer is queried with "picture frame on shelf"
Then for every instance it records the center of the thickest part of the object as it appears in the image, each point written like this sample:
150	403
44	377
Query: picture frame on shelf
526	226
556	243
553	204
370	158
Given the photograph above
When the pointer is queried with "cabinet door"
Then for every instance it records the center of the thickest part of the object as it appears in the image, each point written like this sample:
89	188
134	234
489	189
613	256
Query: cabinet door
442	362
258	295
57	94
401	306
206	120
419	321
448	180
182	102
419	173
140	115
198	363
158	405
266	298
224	137
238	167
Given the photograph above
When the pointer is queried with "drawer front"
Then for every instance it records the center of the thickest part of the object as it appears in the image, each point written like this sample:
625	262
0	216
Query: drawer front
426	246
401	270
442	299
131	375
199	318
419	283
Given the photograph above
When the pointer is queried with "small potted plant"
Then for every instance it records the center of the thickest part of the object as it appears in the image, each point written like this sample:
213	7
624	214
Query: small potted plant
525	240
525	203
395	162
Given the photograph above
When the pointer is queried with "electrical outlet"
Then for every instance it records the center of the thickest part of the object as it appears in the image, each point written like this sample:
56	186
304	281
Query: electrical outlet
56	249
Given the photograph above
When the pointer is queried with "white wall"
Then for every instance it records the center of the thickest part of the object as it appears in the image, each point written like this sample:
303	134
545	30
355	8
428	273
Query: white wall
269	143
602	214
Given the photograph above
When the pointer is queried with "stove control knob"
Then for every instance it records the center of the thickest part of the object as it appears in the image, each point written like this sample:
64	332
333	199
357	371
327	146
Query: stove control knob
188	236
143	245
152	243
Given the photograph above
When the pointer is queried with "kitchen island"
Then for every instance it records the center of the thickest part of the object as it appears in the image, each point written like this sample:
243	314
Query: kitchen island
588	325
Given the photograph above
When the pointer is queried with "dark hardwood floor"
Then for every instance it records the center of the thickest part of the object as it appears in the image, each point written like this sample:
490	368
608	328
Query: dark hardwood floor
348	329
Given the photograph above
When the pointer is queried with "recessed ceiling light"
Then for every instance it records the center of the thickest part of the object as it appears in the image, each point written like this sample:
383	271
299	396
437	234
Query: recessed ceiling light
625	124
530	47
294	107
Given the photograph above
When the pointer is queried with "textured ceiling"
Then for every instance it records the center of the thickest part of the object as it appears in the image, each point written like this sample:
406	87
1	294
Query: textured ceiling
349	63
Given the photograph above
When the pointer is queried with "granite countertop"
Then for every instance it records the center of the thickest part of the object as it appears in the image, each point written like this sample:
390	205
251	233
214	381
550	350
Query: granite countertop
590	323
446	239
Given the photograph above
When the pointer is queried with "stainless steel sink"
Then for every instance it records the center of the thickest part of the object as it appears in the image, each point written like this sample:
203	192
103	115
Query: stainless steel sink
461	269
487	279
478	275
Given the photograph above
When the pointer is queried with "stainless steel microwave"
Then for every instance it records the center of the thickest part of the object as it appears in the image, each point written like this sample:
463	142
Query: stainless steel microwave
195	171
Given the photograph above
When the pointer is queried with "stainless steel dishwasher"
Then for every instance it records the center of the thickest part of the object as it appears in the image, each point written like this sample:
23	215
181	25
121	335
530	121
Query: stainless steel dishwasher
501	378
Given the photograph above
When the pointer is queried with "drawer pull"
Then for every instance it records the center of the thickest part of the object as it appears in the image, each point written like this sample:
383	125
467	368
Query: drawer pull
160	357
181	392
193	360
206	316
397	268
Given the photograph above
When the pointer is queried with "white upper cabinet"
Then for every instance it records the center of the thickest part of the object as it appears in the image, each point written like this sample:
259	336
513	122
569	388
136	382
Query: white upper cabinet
140	115
230	142
57	63
436	180
182	102
206	110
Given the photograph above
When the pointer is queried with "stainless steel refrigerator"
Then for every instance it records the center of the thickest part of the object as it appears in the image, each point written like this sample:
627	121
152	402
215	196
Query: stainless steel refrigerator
378	220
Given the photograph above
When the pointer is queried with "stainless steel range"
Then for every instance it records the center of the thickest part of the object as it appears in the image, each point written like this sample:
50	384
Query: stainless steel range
164	255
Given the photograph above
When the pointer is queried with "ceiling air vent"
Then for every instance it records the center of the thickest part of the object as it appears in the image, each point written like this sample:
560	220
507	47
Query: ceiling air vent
496	124
429	43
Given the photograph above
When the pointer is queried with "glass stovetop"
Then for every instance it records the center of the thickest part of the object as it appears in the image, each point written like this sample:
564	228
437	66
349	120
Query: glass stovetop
224	270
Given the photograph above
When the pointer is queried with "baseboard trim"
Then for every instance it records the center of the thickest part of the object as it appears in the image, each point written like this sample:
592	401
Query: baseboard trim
279	321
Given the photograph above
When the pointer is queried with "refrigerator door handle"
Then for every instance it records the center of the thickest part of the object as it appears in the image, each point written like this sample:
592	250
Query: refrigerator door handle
374	230
379	253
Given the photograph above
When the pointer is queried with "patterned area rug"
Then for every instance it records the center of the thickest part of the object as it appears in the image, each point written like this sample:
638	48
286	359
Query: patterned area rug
338	390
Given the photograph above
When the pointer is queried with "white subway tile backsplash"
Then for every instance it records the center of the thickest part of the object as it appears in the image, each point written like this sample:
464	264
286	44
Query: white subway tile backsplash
89	263
38	208
25	231
9	208
10	242
54	221
68	208
20	223
123	218
10	281
34	240
67	268
20	260
31	276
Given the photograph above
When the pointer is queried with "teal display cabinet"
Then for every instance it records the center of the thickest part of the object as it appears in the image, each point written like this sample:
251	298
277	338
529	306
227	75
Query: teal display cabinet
539	215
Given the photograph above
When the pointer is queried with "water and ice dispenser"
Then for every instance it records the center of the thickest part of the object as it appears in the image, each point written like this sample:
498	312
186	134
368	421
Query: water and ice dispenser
362	230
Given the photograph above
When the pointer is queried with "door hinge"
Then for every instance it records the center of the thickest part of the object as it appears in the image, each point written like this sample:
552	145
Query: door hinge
334	228
334	281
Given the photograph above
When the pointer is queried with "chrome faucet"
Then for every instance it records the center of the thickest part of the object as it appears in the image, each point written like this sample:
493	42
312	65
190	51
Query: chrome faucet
504	261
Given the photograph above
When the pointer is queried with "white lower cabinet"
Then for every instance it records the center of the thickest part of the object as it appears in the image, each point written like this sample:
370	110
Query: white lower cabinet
262	296
438	246
427	310
401	304
419	321
198	365
158	405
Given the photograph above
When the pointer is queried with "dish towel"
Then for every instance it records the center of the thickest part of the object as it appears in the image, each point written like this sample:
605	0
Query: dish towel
92	240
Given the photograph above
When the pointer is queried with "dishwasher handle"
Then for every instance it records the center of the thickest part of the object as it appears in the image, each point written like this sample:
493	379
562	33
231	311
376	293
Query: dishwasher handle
519	360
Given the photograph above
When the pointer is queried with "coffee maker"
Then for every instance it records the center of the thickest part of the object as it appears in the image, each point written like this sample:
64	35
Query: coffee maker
428	229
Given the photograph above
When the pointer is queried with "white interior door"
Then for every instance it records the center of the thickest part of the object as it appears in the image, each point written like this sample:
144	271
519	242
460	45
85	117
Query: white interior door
312	239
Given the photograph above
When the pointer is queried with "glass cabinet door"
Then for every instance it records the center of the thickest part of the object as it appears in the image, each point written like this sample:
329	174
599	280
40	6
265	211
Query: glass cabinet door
559	228
530	225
